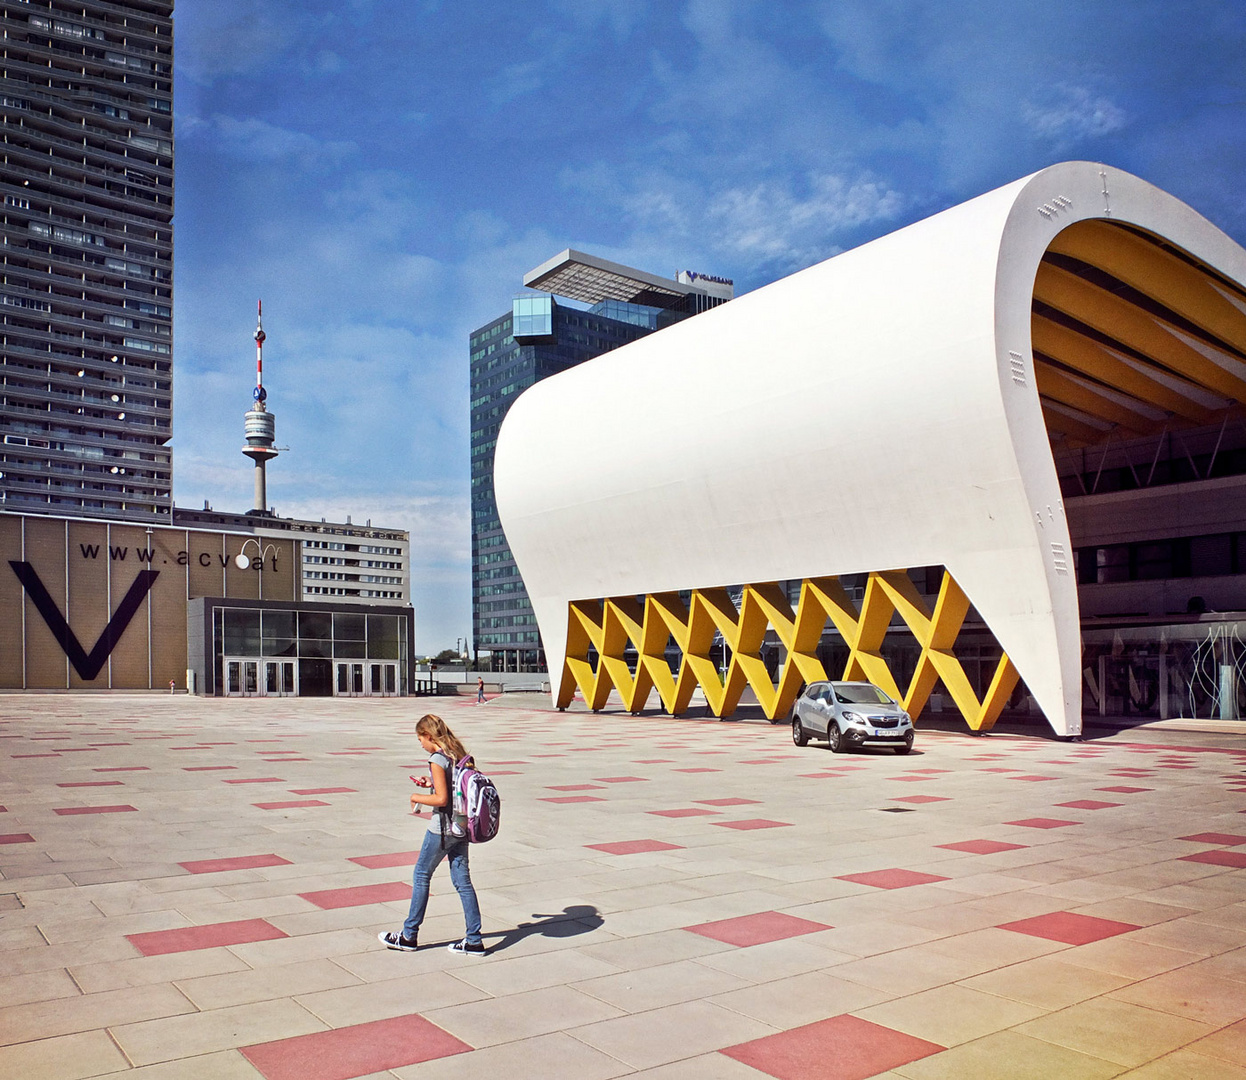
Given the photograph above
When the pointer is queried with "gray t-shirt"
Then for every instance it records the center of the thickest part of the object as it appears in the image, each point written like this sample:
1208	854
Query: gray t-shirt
436	817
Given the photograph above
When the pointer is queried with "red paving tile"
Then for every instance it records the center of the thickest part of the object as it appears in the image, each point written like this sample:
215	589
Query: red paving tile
358	895
212	936
16	756
288	804
691	811
1218	858
673	770
380	862
257	780
1042	823
1033	778
910	779
920	798
653	761
728	802
1122	789
324	791
839	1048
241	862
891	879
571	798
573	787
353	1051
16	838
752	823
621	779
982	847
207	768
1224	838
1088	804
635	847
92	783
124	768
70	811
757	929
1068	927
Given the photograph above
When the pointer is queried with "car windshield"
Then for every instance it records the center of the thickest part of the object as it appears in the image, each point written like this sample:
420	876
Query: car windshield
860	694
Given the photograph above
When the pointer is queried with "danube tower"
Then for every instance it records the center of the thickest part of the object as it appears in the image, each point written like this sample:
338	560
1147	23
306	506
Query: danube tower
261	425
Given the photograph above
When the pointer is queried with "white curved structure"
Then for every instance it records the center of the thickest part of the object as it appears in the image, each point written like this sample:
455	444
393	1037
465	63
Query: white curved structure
882	410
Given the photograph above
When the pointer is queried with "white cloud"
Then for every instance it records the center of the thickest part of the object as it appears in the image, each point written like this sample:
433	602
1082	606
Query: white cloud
771	223
1073	115
259	141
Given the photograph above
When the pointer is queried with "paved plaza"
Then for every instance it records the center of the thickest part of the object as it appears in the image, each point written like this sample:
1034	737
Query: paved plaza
192	888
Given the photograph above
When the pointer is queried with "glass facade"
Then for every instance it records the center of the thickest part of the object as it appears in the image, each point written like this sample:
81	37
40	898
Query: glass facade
322	646
533	316
501	369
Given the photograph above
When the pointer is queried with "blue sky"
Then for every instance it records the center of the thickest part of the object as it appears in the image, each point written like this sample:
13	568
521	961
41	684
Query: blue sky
383	172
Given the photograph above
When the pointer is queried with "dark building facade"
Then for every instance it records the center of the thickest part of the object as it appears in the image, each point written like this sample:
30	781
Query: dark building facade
537	338
86	266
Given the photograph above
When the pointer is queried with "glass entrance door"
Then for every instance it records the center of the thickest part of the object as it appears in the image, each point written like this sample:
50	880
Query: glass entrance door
249	677
382	679
349	682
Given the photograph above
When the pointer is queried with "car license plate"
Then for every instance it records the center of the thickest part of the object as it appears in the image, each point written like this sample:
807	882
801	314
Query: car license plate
887	735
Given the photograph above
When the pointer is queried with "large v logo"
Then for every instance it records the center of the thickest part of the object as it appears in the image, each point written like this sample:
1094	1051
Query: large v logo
87	665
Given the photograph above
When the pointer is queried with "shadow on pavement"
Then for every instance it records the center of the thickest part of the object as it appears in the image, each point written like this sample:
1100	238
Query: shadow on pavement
570	922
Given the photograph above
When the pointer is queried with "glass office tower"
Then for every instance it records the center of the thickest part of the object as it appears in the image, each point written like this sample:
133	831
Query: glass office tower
551	338
86	281
537	338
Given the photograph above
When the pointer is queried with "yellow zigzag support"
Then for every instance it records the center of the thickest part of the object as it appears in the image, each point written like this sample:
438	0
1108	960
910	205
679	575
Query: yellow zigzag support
609	627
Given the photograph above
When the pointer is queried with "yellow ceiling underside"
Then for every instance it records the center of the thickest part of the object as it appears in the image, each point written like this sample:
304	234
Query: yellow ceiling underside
1131	337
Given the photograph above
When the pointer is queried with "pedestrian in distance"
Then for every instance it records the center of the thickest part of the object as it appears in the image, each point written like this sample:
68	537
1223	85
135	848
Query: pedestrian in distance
480	689
443	839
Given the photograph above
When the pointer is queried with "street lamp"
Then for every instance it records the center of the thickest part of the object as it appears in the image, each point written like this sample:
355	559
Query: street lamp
243	562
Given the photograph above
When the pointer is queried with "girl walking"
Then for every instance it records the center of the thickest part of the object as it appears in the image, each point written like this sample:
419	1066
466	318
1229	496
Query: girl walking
440	841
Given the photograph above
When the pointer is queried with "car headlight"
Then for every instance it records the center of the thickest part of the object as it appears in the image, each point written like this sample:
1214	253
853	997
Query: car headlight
853	718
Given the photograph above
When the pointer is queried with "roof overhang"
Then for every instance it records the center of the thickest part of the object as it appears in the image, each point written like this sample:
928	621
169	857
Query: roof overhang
587	278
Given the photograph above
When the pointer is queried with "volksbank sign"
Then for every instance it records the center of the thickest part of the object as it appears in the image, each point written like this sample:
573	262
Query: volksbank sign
96	605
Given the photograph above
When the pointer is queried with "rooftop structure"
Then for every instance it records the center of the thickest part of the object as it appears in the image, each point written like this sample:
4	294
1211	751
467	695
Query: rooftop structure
590	279
86	259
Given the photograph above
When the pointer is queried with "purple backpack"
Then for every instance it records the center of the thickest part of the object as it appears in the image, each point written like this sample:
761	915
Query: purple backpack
477	804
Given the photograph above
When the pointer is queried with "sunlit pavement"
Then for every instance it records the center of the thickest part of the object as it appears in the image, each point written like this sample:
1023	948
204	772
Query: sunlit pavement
193	888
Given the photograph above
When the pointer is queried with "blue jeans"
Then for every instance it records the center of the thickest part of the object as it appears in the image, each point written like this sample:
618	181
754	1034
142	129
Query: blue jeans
431	854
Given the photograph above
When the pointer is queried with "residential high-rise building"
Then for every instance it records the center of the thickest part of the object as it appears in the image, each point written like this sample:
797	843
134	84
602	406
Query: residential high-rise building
86	266
537	338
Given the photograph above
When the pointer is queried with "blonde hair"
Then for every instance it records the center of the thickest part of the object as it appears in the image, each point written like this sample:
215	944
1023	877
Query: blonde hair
436	729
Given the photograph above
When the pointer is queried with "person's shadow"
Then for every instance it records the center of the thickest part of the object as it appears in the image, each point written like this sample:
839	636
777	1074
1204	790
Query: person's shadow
570	922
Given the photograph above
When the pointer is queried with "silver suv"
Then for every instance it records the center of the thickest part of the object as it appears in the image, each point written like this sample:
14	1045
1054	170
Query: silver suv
848	714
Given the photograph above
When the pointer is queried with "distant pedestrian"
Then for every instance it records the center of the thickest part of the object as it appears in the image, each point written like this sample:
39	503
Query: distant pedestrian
480	690
442	839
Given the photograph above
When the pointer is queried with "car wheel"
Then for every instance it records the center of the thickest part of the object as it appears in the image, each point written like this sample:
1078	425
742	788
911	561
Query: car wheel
798	733
908	745
834	739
